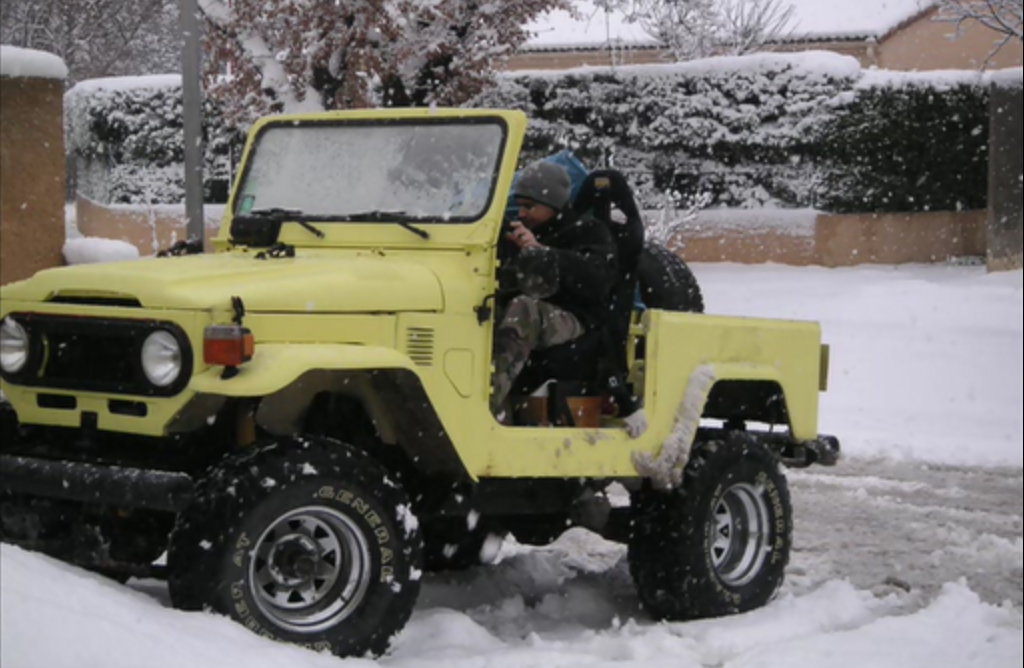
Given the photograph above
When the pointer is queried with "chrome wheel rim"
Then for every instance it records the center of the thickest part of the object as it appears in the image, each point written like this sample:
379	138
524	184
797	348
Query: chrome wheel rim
310	569
739	543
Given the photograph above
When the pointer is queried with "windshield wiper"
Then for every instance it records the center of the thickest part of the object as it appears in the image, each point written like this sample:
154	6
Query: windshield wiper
279	215
382	216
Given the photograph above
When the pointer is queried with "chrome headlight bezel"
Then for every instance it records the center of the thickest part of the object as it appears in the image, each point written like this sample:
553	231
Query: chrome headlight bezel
15	346
161	358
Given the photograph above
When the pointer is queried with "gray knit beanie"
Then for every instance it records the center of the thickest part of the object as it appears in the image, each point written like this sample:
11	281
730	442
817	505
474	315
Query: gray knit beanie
546	183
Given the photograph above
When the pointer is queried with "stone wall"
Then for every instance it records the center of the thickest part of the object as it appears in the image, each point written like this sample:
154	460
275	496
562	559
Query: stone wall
31	175
1006	179
843	240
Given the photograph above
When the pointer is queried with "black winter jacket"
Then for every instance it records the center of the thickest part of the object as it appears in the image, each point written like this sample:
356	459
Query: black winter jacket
587	260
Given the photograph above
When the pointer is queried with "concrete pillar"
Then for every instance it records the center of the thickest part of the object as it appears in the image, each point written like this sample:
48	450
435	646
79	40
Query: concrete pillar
1006	174
31	162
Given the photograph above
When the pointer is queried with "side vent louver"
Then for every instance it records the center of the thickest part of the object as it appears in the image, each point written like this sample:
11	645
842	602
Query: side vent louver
419	344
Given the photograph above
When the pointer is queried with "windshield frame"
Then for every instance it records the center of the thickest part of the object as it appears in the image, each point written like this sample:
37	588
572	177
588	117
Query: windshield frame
382	216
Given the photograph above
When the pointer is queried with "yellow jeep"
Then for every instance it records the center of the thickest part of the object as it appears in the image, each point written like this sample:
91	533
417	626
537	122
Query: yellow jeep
300	419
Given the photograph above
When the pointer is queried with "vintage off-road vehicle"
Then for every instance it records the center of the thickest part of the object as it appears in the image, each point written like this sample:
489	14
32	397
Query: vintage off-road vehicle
300	419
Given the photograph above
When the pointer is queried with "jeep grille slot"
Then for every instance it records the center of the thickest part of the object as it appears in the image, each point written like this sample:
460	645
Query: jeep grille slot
419	345
122	301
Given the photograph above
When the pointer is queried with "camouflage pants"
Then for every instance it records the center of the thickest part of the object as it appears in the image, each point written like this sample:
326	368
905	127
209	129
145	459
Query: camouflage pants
528	324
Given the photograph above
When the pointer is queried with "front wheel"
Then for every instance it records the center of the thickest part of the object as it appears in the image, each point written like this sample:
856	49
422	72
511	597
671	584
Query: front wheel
720	543
307	542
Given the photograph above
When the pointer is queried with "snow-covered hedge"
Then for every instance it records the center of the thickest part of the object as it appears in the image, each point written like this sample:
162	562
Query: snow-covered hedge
126	135
791	130
908	142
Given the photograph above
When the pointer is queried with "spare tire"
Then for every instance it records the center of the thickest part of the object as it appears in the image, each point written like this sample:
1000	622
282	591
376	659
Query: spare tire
666	282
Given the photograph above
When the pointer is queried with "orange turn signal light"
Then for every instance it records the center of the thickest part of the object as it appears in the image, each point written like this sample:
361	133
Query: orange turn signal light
227	345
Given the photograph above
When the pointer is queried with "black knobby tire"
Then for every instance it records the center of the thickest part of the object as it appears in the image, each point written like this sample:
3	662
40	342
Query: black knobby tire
719	544
666	282
307	542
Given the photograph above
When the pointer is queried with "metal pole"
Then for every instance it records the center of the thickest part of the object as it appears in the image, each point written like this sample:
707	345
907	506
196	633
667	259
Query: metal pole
191	92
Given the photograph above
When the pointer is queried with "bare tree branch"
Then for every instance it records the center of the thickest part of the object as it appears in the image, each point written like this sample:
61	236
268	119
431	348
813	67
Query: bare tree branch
1005	17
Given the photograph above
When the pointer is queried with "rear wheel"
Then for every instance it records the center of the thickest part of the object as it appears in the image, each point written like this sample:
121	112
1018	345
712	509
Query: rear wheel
666	282
306	542
719	544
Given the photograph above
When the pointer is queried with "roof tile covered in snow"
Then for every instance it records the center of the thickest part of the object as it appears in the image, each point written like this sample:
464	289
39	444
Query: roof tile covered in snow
813	20
18	62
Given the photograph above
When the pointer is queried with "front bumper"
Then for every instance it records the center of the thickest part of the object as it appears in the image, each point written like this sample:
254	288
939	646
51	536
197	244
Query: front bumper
120	486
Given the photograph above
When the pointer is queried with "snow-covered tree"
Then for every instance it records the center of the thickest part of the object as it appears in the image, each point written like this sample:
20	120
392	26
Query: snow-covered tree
1004	17
689	28
273	55
97	38
750	24
700	28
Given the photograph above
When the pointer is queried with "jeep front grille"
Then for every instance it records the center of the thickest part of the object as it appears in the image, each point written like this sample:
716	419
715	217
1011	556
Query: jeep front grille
94	354
419	345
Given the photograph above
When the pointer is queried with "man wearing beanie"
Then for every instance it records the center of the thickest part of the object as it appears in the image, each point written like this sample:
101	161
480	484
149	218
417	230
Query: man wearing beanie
558	270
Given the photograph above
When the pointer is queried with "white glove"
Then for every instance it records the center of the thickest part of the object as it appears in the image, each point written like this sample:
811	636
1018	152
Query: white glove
636	423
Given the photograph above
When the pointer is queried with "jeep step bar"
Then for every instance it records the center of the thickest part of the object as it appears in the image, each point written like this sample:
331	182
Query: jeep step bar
78	481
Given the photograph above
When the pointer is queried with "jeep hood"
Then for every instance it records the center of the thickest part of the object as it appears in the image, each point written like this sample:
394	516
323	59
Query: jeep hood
304	284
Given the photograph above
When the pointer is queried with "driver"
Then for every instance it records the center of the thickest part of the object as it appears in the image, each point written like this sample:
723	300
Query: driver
562	266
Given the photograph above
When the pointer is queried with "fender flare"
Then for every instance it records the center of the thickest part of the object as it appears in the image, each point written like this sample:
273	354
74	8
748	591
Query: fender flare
278	365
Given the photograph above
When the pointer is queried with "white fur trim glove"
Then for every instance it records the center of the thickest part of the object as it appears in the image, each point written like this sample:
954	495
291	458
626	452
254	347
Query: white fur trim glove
636	423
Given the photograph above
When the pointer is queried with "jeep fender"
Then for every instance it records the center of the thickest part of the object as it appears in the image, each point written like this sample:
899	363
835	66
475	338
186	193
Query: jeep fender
287	377
762	370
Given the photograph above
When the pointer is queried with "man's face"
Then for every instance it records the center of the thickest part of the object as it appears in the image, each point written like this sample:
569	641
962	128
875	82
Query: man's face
534	214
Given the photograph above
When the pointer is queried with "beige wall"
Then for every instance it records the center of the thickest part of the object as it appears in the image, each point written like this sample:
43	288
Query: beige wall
31	176
846	240
928	44
150	230
899	238
837	240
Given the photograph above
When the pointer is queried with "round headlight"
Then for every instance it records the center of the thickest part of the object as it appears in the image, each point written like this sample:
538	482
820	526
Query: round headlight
14	347
161	358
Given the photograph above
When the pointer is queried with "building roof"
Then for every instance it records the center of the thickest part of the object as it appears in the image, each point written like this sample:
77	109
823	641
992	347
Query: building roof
813	21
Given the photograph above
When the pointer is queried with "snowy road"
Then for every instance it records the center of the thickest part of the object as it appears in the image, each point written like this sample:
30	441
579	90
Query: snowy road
884	525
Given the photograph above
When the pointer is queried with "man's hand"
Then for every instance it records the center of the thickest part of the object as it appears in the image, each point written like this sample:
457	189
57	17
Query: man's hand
537	271
521	236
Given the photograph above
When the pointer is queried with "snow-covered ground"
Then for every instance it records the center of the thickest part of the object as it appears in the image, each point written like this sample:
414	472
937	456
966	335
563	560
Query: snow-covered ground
907	555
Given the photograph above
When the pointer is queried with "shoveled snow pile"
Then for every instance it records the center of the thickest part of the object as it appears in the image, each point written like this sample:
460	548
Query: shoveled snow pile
86	250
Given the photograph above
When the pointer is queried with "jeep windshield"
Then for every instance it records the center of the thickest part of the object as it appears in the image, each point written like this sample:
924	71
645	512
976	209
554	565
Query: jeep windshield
418	170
